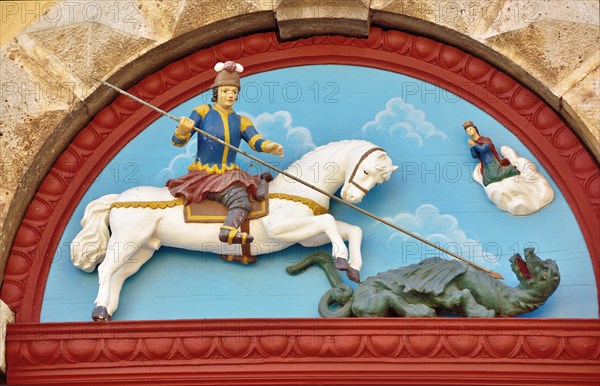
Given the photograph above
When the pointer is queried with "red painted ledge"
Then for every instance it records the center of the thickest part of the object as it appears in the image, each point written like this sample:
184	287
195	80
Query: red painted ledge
308	351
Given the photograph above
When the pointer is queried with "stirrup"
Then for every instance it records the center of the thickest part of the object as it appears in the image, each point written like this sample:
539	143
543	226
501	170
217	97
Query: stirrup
235	236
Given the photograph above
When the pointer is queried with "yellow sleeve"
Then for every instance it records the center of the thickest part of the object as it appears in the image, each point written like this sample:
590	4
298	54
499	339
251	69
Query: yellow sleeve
202	110
245	123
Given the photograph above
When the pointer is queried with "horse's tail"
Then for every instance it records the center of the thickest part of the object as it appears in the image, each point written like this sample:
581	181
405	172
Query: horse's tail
89	246
340	293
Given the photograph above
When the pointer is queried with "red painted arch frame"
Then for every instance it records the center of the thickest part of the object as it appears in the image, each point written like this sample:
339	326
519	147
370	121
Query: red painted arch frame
517	108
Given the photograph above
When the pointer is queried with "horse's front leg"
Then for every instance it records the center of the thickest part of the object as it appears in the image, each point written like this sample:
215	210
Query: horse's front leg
353	234
299	229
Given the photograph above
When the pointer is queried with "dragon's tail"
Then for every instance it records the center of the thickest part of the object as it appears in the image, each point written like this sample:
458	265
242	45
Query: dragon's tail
340	292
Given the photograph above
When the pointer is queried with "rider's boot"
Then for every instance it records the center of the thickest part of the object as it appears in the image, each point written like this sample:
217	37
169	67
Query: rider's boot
263	187
230	233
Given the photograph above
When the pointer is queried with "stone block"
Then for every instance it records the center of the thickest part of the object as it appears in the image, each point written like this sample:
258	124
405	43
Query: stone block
90	49
33	106
297	19
515	15
582	105
16	16
451	14
197	14
6	316
29	145
125	16
550	50
26	86
161	16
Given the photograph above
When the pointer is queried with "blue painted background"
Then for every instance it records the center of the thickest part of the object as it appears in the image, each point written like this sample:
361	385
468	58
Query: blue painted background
431	194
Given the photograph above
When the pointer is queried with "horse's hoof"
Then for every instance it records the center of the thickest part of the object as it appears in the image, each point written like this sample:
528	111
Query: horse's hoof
353	274
100	314
341	264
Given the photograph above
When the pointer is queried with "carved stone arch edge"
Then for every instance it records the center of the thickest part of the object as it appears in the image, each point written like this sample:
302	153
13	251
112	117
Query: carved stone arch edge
540	129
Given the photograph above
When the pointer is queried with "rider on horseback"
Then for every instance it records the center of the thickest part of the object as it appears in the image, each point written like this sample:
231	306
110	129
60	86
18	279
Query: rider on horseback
214	174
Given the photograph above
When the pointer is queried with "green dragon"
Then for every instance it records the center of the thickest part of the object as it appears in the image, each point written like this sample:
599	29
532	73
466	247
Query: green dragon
436	286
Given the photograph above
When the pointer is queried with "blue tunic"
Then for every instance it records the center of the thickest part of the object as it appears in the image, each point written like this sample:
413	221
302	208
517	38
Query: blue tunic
493	169
211	156
483	152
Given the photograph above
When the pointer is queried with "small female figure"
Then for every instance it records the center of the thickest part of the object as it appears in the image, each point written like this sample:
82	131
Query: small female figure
493	168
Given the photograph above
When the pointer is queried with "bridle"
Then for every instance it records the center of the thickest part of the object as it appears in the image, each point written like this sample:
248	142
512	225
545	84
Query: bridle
362	158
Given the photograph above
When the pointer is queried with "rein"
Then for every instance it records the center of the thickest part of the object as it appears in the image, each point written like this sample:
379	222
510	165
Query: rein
362	158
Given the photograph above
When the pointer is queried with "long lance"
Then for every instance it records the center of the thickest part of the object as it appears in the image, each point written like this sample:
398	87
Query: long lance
493	274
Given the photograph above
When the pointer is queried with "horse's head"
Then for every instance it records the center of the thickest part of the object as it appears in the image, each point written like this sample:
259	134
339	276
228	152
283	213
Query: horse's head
365	170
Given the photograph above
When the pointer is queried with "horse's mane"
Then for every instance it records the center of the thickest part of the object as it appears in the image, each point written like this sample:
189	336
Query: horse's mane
385	170
338	151
362	142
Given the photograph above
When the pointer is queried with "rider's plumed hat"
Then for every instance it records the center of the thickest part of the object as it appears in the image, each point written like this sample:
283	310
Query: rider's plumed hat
228	74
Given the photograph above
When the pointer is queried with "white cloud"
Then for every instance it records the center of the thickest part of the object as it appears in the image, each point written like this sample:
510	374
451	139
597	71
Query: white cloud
178	165
440	229
520	195
278	127
401	120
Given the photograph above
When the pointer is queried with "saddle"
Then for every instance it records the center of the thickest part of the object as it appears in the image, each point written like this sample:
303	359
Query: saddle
209	211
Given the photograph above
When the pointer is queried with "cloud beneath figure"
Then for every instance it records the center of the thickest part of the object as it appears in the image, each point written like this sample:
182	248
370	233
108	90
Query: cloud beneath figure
401	120
520	195
440	229
278	127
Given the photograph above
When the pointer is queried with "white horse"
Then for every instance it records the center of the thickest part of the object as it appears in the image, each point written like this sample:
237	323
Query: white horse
297	215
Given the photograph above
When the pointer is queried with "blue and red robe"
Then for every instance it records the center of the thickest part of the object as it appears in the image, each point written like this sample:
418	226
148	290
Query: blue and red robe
492	167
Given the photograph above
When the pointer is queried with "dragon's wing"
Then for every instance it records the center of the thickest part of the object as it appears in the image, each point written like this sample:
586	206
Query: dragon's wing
431	276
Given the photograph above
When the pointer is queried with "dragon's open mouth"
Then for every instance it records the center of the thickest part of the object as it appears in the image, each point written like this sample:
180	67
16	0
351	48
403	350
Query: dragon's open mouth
523	268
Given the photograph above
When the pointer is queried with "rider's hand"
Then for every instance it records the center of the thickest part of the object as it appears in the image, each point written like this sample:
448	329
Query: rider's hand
274	148
185	127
